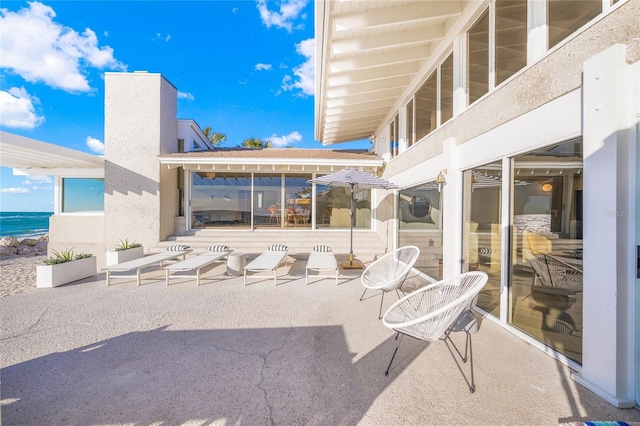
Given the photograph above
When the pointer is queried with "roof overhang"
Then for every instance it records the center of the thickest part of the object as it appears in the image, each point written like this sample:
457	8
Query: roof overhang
32	157
367	54
282	165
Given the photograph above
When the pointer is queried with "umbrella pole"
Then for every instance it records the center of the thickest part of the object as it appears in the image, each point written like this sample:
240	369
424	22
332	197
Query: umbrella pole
351	265
351	233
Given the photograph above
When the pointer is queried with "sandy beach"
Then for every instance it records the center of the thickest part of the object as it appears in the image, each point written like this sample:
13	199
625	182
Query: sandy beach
18	274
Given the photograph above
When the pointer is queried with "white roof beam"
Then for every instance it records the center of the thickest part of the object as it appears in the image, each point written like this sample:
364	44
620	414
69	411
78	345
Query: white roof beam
418	36
408	69
415	54
422	11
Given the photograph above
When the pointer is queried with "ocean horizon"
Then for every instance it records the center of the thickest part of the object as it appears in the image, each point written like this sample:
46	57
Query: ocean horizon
24	224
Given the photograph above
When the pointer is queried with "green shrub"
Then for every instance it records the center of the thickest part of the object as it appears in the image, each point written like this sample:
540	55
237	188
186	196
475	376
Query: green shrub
125	245
65	256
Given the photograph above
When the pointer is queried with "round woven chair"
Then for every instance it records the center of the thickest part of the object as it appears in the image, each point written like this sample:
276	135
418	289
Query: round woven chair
389	272
435	311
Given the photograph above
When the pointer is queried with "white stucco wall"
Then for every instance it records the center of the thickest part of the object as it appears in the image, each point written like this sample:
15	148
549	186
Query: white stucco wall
140	124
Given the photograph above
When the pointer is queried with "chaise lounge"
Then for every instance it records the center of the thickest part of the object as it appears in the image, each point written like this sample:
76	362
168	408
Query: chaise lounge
173	252
213	254
268	261
322	258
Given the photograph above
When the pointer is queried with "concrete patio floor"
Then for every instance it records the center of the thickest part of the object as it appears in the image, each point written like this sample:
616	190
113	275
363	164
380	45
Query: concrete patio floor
223	353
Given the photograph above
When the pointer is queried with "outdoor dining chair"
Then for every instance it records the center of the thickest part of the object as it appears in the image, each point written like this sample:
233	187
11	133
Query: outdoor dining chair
389	272
437	310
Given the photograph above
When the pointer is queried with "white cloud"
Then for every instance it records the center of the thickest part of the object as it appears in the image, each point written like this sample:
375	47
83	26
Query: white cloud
282	141
95	145
304	74
289	12
35	180
41	50
17	109
42	188
15	190
185	95
263	67
167	37
234	10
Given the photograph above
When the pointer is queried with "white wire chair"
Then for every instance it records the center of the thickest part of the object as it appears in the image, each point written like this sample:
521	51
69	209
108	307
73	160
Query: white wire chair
437	310
555	283
389	272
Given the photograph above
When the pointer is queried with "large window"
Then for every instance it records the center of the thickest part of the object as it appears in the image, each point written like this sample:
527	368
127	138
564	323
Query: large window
267	193
426	107
446	89
546	259
393	136
82	195
333	204
567	16
482	229
297	191
220	200
420	224
409	126
511	38
478	58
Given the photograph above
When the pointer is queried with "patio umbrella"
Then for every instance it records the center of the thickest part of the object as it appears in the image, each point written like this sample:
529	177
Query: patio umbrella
352	177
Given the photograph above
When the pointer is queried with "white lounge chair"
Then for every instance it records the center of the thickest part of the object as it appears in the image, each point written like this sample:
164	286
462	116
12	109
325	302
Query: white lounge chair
173	252
212	255
268	261
322	258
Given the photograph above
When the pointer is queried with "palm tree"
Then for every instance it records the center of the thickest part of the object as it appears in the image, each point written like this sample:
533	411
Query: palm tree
214	137
256	143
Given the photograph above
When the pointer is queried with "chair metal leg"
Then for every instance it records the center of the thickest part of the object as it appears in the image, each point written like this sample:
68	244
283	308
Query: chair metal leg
365	290
381	300
386	373
468	350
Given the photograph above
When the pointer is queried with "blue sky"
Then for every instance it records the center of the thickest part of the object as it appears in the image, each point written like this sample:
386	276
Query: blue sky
245	68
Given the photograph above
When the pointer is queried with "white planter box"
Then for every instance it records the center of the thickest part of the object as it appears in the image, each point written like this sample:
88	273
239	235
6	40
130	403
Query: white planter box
115	257
63	273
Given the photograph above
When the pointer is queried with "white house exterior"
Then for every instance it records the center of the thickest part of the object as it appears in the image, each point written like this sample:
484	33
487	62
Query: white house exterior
529	111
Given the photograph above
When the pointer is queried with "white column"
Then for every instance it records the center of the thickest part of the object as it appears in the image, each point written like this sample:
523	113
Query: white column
536	30
608	318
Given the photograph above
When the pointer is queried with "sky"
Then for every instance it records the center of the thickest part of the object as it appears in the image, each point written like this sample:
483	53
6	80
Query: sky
244	68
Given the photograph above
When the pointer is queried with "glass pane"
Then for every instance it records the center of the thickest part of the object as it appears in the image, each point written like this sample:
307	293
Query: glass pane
393	128
482	230
478	61
220	200
297	191
333	204
567	16
267	192
420	224
82	195
546	276
410	123
511	38
425	100
446	89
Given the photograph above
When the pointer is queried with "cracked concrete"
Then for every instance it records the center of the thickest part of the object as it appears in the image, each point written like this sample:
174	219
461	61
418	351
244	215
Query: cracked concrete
293	354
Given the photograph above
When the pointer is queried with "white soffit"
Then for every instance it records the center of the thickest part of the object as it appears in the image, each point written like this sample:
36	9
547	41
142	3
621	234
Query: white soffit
367	53
24	154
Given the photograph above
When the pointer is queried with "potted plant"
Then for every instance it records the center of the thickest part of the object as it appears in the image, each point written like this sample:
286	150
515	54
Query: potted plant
124	252
64	267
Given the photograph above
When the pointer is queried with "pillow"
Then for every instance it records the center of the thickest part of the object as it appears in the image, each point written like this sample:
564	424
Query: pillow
178	247
322	249
277	247
219	248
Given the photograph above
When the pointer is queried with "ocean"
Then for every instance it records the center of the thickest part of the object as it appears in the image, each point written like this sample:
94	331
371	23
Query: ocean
24	224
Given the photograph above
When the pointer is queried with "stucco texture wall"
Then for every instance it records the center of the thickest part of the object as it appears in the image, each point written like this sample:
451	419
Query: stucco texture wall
140	124
553	76
82	234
